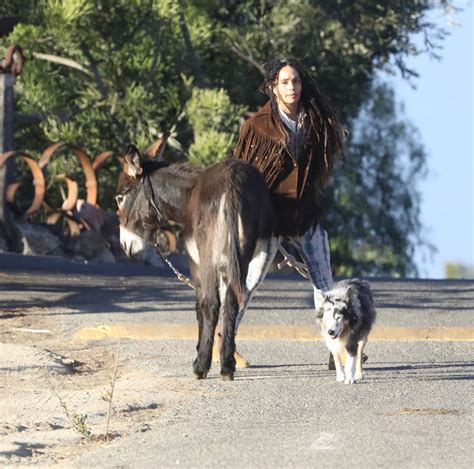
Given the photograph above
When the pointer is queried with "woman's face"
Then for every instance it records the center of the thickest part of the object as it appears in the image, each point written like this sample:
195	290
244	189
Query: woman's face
287	87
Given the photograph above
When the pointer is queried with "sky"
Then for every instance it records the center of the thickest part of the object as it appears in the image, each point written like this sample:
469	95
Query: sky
441	107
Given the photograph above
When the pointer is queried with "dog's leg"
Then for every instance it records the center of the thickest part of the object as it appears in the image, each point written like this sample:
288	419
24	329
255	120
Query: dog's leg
350	365
336	350
331	365
360	360
340	376
349	368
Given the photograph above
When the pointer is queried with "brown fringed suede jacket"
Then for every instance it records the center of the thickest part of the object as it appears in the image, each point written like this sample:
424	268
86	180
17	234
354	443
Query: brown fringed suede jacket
293	184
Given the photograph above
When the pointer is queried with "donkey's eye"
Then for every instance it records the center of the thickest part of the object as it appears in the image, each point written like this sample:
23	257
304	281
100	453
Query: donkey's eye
119	199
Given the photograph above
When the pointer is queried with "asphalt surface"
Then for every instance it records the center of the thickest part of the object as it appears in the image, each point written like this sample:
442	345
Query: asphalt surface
413	409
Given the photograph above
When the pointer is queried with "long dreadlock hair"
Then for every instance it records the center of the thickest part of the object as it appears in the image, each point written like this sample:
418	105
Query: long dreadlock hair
323	122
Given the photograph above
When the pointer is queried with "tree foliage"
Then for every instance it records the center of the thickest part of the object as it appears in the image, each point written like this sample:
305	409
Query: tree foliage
102	73
458	270
215	123
374	219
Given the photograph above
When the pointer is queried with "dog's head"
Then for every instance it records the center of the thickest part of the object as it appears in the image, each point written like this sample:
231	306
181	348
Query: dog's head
334	311
335	317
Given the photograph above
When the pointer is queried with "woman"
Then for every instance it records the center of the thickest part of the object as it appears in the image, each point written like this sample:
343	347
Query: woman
294	140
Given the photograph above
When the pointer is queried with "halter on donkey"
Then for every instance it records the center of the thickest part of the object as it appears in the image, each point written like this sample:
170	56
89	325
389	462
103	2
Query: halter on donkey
226	215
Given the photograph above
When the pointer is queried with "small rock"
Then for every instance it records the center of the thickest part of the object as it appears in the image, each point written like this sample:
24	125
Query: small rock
39	240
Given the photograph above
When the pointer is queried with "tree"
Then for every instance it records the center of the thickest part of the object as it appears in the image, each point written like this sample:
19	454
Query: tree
104	73
99	74
214	120
458	270
374	217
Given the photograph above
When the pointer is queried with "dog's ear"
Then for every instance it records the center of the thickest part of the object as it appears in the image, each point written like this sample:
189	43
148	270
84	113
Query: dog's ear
348	295
132	165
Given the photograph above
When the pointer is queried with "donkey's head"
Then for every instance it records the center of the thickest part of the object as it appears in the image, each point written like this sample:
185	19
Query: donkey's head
139	212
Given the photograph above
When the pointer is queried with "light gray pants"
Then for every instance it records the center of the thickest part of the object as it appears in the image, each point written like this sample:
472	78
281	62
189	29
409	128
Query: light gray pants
313	248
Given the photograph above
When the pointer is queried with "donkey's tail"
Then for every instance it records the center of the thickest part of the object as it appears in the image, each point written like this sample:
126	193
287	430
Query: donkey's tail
236	279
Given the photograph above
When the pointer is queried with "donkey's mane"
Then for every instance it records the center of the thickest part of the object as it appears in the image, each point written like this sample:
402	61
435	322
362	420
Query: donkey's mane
171	184
183	169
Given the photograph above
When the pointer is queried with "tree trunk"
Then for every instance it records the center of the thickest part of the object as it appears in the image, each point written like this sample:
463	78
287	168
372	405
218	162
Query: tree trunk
8	229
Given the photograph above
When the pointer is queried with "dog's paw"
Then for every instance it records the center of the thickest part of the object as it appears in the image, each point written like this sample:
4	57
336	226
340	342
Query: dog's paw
349	381
358	377
340	377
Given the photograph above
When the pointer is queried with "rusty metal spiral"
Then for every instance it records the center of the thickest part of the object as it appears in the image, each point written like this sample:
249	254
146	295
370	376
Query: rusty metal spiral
38	180
91	180
90	168
14	60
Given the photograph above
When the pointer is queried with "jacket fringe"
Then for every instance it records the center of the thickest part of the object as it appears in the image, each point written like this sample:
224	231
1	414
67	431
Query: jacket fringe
269	159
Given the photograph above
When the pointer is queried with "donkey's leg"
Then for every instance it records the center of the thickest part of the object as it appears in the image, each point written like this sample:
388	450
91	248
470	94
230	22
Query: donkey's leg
216	350
207	311
264	254
262	258
229	318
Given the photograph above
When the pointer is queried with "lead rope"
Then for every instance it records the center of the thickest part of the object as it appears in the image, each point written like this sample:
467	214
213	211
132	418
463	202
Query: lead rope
290	261
181	277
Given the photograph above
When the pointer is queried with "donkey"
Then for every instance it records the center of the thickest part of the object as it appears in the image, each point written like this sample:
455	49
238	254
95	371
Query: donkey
226	215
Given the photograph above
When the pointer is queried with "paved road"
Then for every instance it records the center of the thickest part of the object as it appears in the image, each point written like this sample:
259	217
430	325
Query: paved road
414	409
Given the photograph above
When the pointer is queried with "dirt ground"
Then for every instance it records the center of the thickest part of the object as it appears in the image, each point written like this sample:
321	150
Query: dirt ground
54	405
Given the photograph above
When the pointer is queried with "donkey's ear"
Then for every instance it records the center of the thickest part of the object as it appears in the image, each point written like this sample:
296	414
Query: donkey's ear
157	148
132	165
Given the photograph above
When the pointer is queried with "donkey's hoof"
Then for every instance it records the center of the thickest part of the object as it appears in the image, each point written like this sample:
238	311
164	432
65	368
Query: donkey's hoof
200	374
240	361
228	376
